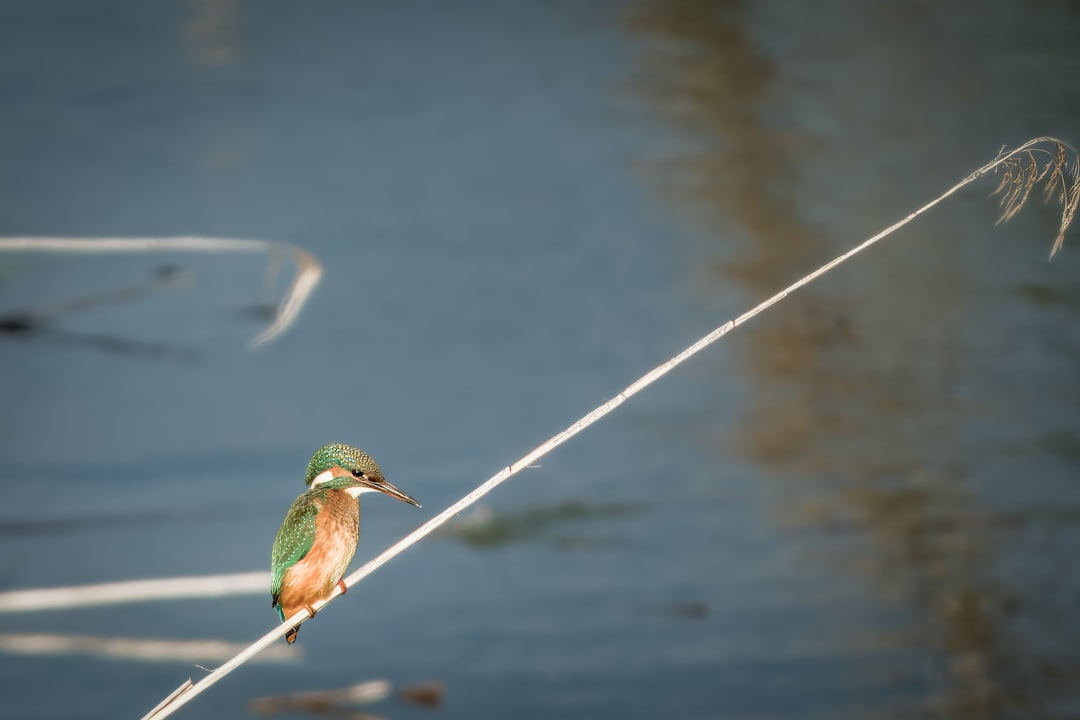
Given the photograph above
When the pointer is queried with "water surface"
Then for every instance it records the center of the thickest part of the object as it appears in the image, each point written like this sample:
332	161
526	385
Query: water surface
861	505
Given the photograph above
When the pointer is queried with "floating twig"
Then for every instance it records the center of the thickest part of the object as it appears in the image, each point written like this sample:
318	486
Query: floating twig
426	694
322	701
134	591
308	269
144	649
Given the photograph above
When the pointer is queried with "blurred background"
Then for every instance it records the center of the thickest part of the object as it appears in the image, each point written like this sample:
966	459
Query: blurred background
864	504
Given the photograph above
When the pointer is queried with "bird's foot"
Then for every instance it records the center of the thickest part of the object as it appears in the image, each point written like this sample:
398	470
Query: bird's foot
344	588
310	611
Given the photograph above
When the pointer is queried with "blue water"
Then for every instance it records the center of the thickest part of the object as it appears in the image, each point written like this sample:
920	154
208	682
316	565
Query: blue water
864	504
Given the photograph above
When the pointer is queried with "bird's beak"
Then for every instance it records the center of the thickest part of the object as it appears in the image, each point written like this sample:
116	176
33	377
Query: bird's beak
377	483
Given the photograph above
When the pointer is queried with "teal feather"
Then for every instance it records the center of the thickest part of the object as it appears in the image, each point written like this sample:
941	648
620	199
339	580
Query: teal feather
294	541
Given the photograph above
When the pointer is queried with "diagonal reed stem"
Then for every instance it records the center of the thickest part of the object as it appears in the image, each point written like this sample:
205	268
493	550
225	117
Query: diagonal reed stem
1015	163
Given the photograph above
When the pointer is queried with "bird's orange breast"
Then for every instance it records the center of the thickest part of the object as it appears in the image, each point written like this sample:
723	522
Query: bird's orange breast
337	526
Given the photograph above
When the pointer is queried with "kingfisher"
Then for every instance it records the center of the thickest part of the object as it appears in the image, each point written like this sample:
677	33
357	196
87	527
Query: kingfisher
314	545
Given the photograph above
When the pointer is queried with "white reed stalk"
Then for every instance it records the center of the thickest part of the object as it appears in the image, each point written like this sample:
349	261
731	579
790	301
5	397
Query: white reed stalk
127	591
141	649
308	269
1015	162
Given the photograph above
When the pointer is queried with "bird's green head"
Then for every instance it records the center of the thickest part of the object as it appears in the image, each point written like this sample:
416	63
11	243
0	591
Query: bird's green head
339	459
343	467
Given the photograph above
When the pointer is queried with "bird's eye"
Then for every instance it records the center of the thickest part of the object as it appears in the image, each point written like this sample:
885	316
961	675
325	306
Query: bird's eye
358	473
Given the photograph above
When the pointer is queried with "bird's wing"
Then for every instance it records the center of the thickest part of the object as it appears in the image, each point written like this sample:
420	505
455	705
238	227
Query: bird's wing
294	540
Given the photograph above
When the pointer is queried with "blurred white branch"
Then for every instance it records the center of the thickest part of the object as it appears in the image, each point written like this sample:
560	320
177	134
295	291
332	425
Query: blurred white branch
135	591
308	269
144	649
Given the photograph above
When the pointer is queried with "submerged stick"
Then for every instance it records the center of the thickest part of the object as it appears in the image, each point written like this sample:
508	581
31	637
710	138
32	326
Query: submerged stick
308	269
1024	166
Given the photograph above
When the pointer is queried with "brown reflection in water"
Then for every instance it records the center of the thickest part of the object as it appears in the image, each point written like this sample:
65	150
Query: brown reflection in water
210	33
852	405
705	75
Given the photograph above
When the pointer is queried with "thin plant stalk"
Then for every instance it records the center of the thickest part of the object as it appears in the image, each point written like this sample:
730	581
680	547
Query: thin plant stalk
1022	167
